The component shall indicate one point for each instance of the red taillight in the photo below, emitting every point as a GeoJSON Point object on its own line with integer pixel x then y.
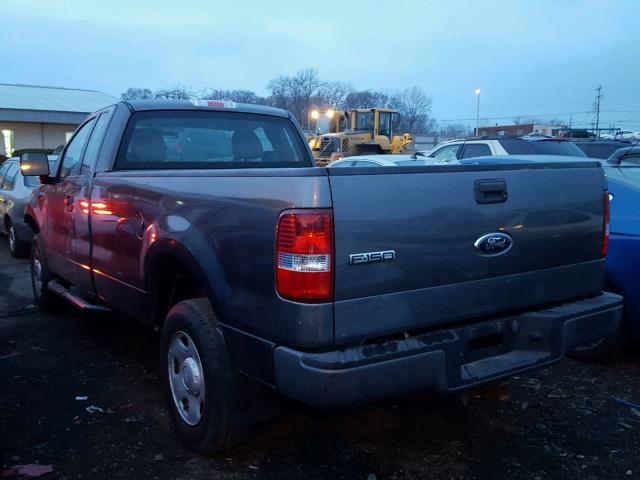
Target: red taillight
{"type": "Point", "coordinates": [605, 223]}
{"type": "Point", "coordinates": [304, 255]}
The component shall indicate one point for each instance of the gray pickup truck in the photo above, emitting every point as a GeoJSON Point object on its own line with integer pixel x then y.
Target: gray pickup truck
{"type": "Point", "coordinates": [266, 275]}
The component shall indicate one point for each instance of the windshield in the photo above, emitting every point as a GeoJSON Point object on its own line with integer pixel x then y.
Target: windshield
{"type": "Point", "coordinates": [323, 125]}
{"type": "Point", "coordinates": [207, 139]}
{"type": "Point", "coordinates": [364, 121]}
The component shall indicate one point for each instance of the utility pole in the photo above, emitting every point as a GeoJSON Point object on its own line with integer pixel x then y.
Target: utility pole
{"type": "Point", "coordinates": [477, 92]}
{"type": "Point", "coordinates": [570, 125]}
{"type": "Point", "coordinates": [597, 102]}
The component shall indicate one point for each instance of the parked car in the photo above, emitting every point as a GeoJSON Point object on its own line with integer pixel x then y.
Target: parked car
{"type": "Point", "coordinates": [383, 161]}
{"type": "Point", "coordinates": [331, 286]}
{"type": "Point", "coordinates": [453, 150]}
{"type": "Point", "coordinates": [623, 135]}
{"type": "Point", "coordinates": [15, 190]}
{"type": "Point", "coordinates": [600, 148]}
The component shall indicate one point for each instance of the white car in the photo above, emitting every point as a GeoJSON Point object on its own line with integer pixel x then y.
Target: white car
{"type": "Point", "coordinates": [460, 149]}
{"type": "Point", "coordinates": [626, 135]}
{"type": "Point", "coordinates": [383, 161]}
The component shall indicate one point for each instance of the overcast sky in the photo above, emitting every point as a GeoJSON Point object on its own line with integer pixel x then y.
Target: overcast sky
{"type": "Point", "coordinates": [530, 58]}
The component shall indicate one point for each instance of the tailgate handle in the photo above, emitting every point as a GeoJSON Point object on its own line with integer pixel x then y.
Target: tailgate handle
{"type": "Point", "coordinates": [491, 191]}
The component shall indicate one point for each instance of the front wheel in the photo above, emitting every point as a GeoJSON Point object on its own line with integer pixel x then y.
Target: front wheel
{"type": "Point", "coordinates": [17, 247]}
{"type": "Point", "coordinates": [197, 378]}
{"type": "Point", "coordinates": [40, 278]}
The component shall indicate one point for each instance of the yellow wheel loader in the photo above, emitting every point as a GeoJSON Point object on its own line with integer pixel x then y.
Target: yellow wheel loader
{"type": "Point", "coordinates": [368, 131]}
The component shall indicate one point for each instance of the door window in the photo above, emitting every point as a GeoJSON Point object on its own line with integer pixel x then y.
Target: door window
{"type": "Point", "coordinates": [9, 179]}
{"type": "Point", "coordinates": [94, 144]}
{"type": "Point", "coordinates": [476, 150]}
{"type": "Point", "coordinates": [73, 153]}
{"type": "Point", "coordinates": [3, 171]}
{"type": "Point", "coordinates": [385, 124]}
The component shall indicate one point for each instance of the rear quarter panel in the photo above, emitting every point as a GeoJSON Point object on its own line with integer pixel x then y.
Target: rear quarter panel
{"type": "Point", "coordinates": [221, 223]}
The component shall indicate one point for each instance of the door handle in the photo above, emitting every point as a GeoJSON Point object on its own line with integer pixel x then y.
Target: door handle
{"type": "Point", "coordinates": [491, 191]}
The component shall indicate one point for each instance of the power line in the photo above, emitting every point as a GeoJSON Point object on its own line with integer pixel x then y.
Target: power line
{"type": "Point", "coordinates": [534, 115]}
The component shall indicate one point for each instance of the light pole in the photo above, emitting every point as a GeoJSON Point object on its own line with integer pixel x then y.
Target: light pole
{"type": "Point", "coordinates": [477, 92]}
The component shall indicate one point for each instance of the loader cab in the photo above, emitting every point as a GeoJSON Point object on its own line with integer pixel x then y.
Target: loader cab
{"type": "Point", "coordinates": [377, 121]}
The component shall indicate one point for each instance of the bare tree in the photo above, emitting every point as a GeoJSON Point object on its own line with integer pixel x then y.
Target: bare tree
{"type": "Point", "coordinates": [365, 99]}
{"type": "Point", "coordinates": [414, 107]}
{"type": "Point", "coordinates": [295, 92]}
{"type": "Point", "coordinates": [332, 94]}
{"type": "Point", "coordinates": [239, 96]}
{"type": "Point", "coordinates": [280, 91]}
{"type": "Point", "coordinates": [174, 93]}
{"type": "Point", "coordinates": [134, 93]}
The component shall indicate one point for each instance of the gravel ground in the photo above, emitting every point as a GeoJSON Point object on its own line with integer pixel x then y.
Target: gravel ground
{"type": "Point", "coordinates": [562, 422]}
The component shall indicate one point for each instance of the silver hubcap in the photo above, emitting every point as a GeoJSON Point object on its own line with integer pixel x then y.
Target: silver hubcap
{"type": "Point", "coordinates": [186, 378]}
{"type": "Point", "coordinates": [37, 272]}
{"type": "Point", "coordinates": [12, 238]}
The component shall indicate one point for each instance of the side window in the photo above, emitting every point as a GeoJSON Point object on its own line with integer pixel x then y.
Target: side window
{"type": "Point", "coordinates": [476, 150]}
{"type": "Point", "coordinates": [9, 179]}
{"type": "Point", "coordinates": [3, 171]}
{"type": "Point", "coordinates": [94, 144]}
{"type": "Point", "coordinates": [73, 153]}
{"type": "Point", "coordinates": [446, 154]}
{"type": "Point", "coordinates": [365, 163]}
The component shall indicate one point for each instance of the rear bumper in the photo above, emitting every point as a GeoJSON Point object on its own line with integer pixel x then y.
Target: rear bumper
{"type": "Point", "coordinates": [446, 360]}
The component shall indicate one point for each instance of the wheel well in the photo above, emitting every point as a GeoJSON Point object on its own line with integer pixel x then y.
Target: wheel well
{"type": "Point", "coordinates": [7, 221]}
{"type": "Point", "coordinates": [171, 281]}
{"type": "Point", "coordinates": [28, 219]}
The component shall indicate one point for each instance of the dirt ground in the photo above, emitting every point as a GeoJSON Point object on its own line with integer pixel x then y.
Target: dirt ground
{"type": "Point", "coordinates": [563, 422]}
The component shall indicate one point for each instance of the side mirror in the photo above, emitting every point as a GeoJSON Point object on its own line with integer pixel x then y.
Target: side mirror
{"type": "Point", "coordinates": [34, 164]}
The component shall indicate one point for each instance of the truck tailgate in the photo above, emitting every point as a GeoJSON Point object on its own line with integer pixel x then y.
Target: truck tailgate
{"type": "Point", "coordinates": [410, 252]}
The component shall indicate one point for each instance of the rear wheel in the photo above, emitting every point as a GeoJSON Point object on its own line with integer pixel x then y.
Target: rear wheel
{"type": "Point", "coordinates": [197, 378]}
{"type": "Point", "coordinates": [17, 247]}
{"type": "Point", "coordinates": [40, 278]}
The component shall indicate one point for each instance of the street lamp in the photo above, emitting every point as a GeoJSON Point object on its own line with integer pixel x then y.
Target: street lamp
{"type": "Point", "coordinates": [477, 92]}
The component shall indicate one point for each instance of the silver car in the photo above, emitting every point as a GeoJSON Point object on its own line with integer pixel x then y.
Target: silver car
{"type": "Point", "coordinates": [15, 190]}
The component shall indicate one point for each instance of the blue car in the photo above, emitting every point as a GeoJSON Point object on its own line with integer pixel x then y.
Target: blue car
{"type": "Point", "coordinates": [623, 257]}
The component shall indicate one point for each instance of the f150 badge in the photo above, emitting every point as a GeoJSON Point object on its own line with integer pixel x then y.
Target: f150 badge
{"type": "Point", "coordinates": [493, 244]}
{"type": "Point", "coordinates": [370, 257]}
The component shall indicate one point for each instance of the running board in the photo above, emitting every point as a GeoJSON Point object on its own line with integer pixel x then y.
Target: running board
{"type": "Point", "coordinates": [80, 303]}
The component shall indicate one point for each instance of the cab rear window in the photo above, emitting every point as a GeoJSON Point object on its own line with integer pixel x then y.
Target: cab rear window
{"type": "Point", "coordinates": [209, 139]}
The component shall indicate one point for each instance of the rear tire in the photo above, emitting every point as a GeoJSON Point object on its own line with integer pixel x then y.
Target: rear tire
{"type": "Point", "coordinates": [197, 378]}
{"type": "Point", "coordinates": [41, 275]}
{"type": "Point", "coordinates": [17, 248]}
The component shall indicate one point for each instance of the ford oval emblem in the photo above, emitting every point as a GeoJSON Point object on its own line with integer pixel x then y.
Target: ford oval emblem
{"type": "Point", "coordinates": [493, 244]}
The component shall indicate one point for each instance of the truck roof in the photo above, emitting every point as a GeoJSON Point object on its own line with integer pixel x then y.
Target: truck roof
{"type": "Point", "coordinates": [167, 104]}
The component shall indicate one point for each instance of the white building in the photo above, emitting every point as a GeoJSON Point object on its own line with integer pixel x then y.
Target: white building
{"type": "Point", "coordinates": [43, 117]}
